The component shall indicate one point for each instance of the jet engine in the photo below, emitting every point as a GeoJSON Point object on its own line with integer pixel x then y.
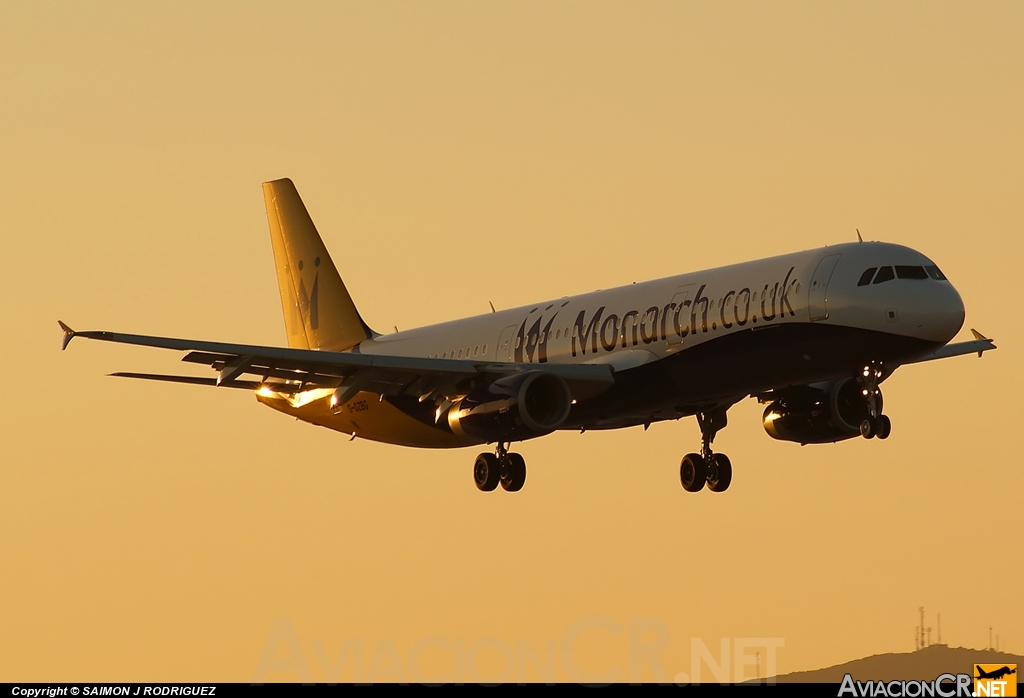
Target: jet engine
{"type": "Point", "coordinates": [820, 413]}
{"type": "Point", "coordinates": [513, 408]}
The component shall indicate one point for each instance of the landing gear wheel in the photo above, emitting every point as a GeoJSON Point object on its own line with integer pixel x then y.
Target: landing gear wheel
{"type": "Point", "coordinates": [884, 427]}
{"type": "Point", "coordinates": [486, 472]}
{"type": "Point", "coordinates": [719, 473]}
{"type": "Point", "coordinates": [513, 475]}
{"type": "Point", "coordinates": [693, 472]}
{"type": "Point", "coordinates": [869, 427]}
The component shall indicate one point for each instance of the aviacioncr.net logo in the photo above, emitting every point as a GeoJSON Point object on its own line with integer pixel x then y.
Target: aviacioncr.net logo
{"type": "Point", "coordinates": [995, 680]}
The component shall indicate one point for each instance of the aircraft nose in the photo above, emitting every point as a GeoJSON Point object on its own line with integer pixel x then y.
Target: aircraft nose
{"type": "Point", "coordinates": [944, 315]}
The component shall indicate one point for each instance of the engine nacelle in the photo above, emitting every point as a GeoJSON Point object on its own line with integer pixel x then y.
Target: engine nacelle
{"type": "Point", "coordinates": [514, 408]}
{"type": "Point", "coordinates": [815, 414]}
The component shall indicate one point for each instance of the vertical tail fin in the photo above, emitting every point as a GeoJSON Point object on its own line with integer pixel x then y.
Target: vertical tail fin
{"type": "Point", "coordinates": [318, 310]}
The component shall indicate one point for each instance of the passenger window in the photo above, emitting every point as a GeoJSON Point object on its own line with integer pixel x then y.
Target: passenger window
{"type": "Point", "coordinates": [485, 350]}
{"type": "Point", "coordinates": [934, 272]}
{"type": "Point", "coordinates": [915, 273]}
{"type": "Point", "coordinates": [865, 278]}
{"type": "Point", "coordinates": [884, 274]}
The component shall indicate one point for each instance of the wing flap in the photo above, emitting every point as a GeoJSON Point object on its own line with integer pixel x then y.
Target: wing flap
{"type": "Point", "coordinates": [302, 357]}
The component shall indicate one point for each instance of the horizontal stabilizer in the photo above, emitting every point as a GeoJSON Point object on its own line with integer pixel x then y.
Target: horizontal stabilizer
{"type": "Point", "coordinates": [191, 380]}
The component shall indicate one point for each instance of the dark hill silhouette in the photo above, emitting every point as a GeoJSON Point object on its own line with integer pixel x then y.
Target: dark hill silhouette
{"type": "Point", "coordinates": [922, 665]}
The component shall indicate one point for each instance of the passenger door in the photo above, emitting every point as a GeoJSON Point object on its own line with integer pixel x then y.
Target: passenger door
{"type": "Point", "coordinates": [817, 297]}
{"type": "Point", "coordinates": [505, 349]}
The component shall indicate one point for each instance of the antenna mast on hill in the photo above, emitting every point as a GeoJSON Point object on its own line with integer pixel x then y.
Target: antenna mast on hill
{"type": "Point", "coordinates": [939, 630]}
{"type": "Point", "coordinates": [921, 611]}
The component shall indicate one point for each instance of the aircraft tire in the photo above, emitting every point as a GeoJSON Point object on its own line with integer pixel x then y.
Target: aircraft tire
{"type": "Point", "coordinates": [513, 475]}
{"type": "Point", "coordinates": [884, 426]}
{"type": "Point", "coordinates": [693, 472]}
{"type": "Point", "coordinates": [722, 473]}
{"type": "Point", "coordinates": [868, 428]}
{"type": "Point", "coordinates": [486, 472]}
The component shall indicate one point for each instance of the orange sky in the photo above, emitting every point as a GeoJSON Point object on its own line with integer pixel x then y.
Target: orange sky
{"type": "Point", "coordinates": [451, 154]}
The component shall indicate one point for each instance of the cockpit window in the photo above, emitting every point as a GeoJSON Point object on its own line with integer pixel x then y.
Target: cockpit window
{"type": "Point", "coordinates": [865, 278]}
{"type": "Point", "coordinates": [934, 272]}
{"type": "Point", "coordinates": [916, 273]}
{"type": "Point", "coordinates": [884, 274]}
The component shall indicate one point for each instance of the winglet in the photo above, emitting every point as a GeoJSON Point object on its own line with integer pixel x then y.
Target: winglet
{"type": "Point", "coordinates": [979, 335]}
{"type": "Point", "coordinates": [69, 334]}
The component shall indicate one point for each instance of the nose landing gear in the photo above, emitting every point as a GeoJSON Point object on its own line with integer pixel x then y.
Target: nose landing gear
{"type": "Point", "coordinates": [500, 467]}
{"type": "Point", "coordinates": [707, 468]}
{"type": "Point", "coordinates": [875, 423]}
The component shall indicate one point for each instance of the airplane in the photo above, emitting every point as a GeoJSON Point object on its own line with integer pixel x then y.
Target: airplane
{"type": "Point", "coordinates": [810, 334]}
{"type": "Point", "coordinates": [995, 674]}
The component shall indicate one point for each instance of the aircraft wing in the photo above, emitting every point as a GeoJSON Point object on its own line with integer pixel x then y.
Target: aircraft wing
{"type": "Point", "coordinates": [294, 370]}
{"type": "Point", "coordinates": [979, 344]}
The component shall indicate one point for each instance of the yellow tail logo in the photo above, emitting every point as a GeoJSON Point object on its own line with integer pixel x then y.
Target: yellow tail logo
{"type": "Point", "coordinates": [309, 303]}
{"type": "Point", "coordinates": [318, 310]}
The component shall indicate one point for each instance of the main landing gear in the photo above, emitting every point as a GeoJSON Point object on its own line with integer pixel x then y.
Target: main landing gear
{"type": "Point", "coordinates": [706, 467]}
{"type": "Point", "coordinates": [508, 469]}
{"type": "Point", "coordinates": [874, 423]}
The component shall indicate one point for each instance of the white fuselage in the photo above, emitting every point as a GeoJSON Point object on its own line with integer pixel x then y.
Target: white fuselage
{"type": "Point", "coordinates": [648, 321]}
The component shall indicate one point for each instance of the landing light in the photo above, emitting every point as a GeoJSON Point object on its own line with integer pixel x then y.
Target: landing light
{"type": "Point", "coordinates": [265, 391]}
